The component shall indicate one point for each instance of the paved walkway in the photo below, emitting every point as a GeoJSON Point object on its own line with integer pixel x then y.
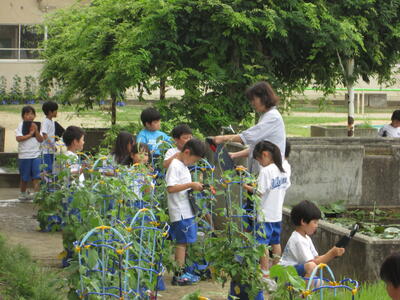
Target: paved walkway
{"type": "Point", "coordinates": [19, 226]}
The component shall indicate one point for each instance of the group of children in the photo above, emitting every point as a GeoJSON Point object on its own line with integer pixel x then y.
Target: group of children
{"type": "Point", "coordinates": [272, 183]}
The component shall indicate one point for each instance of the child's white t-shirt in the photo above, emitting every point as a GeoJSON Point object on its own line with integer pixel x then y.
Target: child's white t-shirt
{"type": "Point", "coordinates": [299, 250]}
{"type": "Point", "coordinates": [29, 148]}
{"type": "Point", "coordinates": [178, 203]}
{"type": "Point", "coordinates": [171, 152]}
{"type": "Point", "coordinates": [48, 127]}
{"type": "Point", "coordinates": [272, 185]}
{"type": "Point", "coordinates": [390, 131]}
{"type": "Point", "coordinates": [75, 167]}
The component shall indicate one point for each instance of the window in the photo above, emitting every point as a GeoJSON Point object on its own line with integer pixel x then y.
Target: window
{"type": "Point", "coordinates": [20, 42]}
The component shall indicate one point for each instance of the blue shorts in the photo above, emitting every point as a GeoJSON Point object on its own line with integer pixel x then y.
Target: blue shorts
{"type": "Point", "coordinates": [184, 231]}
{"type": "Point", "coordinates": [29, 168]}
{"type": "Point", "coordinates": [48, 160]}
{"type": "Point", "coordinates": [300, 270]}
{"type": "Point", "coordinates": [269, 233]}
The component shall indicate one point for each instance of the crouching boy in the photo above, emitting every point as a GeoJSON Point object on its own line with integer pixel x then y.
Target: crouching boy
{"type": "Point", "coordinates": [300, 251]}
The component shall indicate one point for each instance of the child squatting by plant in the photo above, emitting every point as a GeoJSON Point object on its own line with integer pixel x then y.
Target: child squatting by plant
{"type": "Point", "coordinates": [300, 251]}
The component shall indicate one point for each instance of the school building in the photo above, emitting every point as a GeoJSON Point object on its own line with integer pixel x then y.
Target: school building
{"type": "Point", "coordinates": [20, 48]}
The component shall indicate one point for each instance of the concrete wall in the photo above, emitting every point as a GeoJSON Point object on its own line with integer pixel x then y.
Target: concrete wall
{"type": "Point", "coordinates": [361, 171]}
{"type": "Point", "coordinates": [2, 138]}
{"type": "Point", "coordinates": [341, 131]}
{"type": "Point", "coordinates": [363, 256]}
{"type": "Point", "coordinates": [25, 12]}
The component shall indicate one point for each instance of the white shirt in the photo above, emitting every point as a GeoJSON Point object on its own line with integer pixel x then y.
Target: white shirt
{"type": "Point", "coordinates": [178, 203]}
{"type": "Point", "coordinates": [29, 148]}
{"type": "Point", "coordinates": [272, 185]}
{"type": "Point", "coordinates": [171, 152]}
{"type": "Point", "coordinates": [48, 127]}
{"type": "Point", "coordinates": [389, 131]}
{"type": "Point", "coordinates": [299, 250]}
{"type": "Point", "coordinates": [270, 127]}
{"type": "Point", "coordinates": [286, 166]}
{"type": "Point", "coordinates": [75, 166]}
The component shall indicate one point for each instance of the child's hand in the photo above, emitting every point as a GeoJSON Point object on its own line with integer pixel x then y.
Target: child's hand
{"type": "Point", "coordinates": [34, 127]}
{"type": "Point", "coordinates": [338, 251]}
{"type": "Point", "coordinates": [247, 187]}
{"type": "Point", "coordinates": [196, 186]}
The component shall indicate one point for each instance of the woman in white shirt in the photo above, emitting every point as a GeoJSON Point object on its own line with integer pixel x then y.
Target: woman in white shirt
{"type": "Point", "coordinates": [270, 126]}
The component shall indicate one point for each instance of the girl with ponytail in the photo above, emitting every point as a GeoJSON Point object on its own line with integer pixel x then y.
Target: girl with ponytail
{"type": "Point", "coordinates": [272, 183]}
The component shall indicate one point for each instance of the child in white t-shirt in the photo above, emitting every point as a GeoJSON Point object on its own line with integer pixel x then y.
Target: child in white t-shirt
{"type": "Point", "coordinates": [300, 251]}
{"type": "Point", "coordinates": [392, 129]}
{"type": "Point", "coordinates": [272, 184]}
{"type": "Point", "coordinates": [48, 130]}
{"type": "Point", "coordinates": [183, 225]}
{"type": "Point", "coordinates": [74, 139]}
{"type": "Point", "coordinates": [28, 152]}
{"type": "Point", "coordinates": [181, 134]}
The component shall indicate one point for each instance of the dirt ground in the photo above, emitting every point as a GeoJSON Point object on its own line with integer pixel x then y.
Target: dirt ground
{"type": "Point", "coordinates": [18, 226]}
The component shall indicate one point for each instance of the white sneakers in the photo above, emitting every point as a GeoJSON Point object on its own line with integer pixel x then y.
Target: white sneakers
{"type": "Point", "coordinates": [26, 196]}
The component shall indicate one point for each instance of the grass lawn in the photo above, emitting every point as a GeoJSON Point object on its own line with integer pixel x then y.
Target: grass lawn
{"type": "Point", "coordinates": [295, 125]}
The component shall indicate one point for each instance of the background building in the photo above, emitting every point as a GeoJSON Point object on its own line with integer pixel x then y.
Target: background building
{"type": "Point", "coordinates": [20, 48]}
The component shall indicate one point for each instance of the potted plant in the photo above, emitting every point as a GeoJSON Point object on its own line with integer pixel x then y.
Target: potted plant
{"type": "Point", "coordinates": [16, 93]}
{"type": "Point", "coordinates": [29, 89]}
{"type": "Point", "coordinates": [3, 90]}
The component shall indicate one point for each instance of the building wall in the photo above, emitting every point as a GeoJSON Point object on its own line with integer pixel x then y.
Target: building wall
{"type": "Point", "coordinates": [15, 12]}
{"type": "Point", "coordinates": [34, 11]}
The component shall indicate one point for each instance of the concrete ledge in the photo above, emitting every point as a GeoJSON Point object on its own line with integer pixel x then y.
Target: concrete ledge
{"type": "Point", "coordinates": [93, 138]}
{"type": "Point", "coordinates": [9, 180]}
{"type": "Point", "coordinates": [5, 157]}
{"type": "Point", "coordinates": [363, 256]}
{"type": "Point", "coordinates": [2, 138]}
{"type": "Point", "coordinates": [340, 131]}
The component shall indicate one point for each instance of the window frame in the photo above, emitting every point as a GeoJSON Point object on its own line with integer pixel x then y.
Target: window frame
{"type": "Point", "coordinates": [19, 49]}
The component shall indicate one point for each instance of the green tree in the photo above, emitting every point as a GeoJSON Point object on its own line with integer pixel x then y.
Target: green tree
{"type": "Point", "coordinates": [92, 52]}
{"type": "Point", "coordinates": [351, 40]}
{"type": "Point", "coordinates": [214, 49]}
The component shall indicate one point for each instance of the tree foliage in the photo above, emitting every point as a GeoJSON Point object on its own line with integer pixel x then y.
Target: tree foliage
{"type": "Point", "coordinates": [214, 49]}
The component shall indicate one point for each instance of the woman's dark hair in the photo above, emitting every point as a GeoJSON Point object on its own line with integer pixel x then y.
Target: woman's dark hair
{"type": "Point", "coordinates": [120, 150]}
{"type": "Point", "coordinates": [271, 148]}
{"type": "Point", "coordinates": [396, 115]}
{"type": "Point", "coordinates": [136, 148]}
{"type": "Point", "coordinates": [49, 106]}
{"type": "Point", "coordinates": [149, 115]}
{"type": "Point", "coordinates": [288, 148]}
{"type": "Point", "coordinates": [196, 147]}
{"type": "Point", "coordinates": [71, 134]}
{"type": "Point", "coordinates": [264, 91]}
{"type": "Point", "coordinates": [180, 130]}
{"type": "Point", "coordinates": [27, 109]}
{"type": "Point", "coordinates": [306, 211]}
{"type": "Point", "coordinates": [390, 270]}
